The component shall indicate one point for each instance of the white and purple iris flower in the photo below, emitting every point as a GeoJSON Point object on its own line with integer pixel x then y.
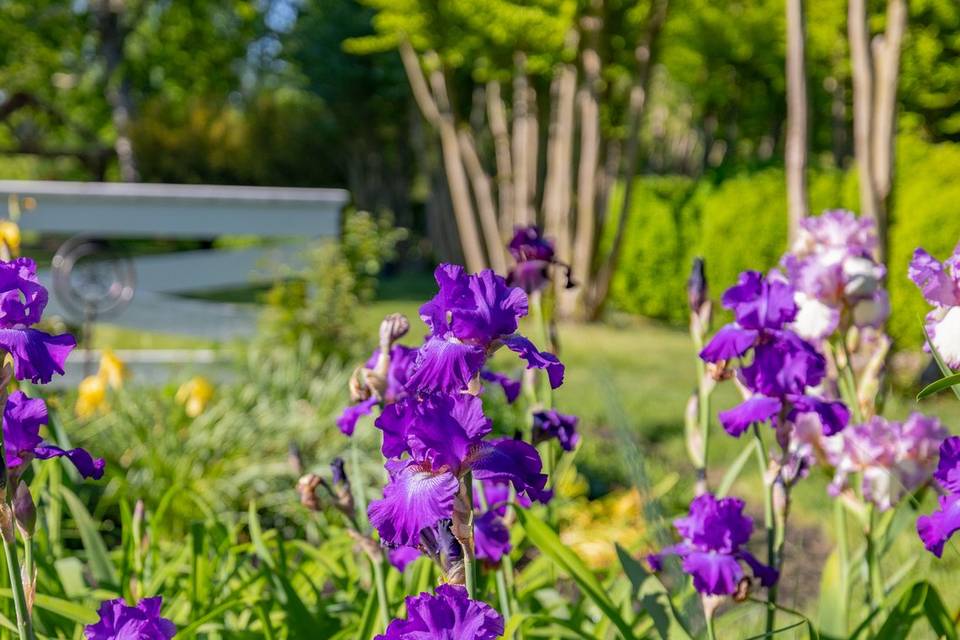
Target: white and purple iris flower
{"type": "Point", "coordinates": [837, 280]}
{"type": "Point", "coordinates": [940, 284]}
{"type": "Point", "coordinates": [714, 535]}
{"type": "Point", "coordinates": [22, 418]}
{"type": "Point", "coordinates": [443, 439]}
{"type": "Point", "coordinates": [37, 356]}
{"type": "Point", "coordinates": [448, 613]}
{"type": "Point", "coordinates": [469, 318]}
{"type": "Point", "coordinates": [783, 366]}
{"type": "Point", "coordinates": [891, 459]}
{"type": "Point", "coordinates": [143, 622]}
{"type": "Point", "coordinates": [938, 527]}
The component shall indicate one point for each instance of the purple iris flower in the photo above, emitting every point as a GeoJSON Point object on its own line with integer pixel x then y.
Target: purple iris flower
{"type": "Point", "coordinates": [940, 284]}
{"type": "Point", "coordinates": [938, 527]}
{"type": "Point", "coordinates": [443, 435]}
{"type": "Point", "coordinates": [491, 537]}
{"type": "Point", "coordinates": [496, 495]}
{"type": "Point", "coordinates": [553, 424]}
{"type": "Point", "coordinates": [784, 365]}
{"type": "Point", "coordinates": [401, 557]}
{"type": "Point", "coordinates": [121, 622]}
{"type": "Point", "coordinates": [469, 318]}
{"type": "Point", "coordinates": [445, 615]}
{"type": "Point", "coordinates": [37, 356]}
{"type": "Point", "coordinates": [22, 418]}
{"type": "Point", "coordinates": [832, 267]}
{"type": "Point", "coordinates": [714, 534]}
{"type": "Point", "coordinates": [535, 257]}
{"type": "Point", "coordinates": [401, 359]}
{"type": "Point", "coordinates": [510, 386]}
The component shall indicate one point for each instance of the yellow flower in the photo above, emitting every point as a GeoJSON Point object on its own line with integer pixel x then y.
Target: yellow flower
{"type": "Point", "coordinates": [195, 394]}
{"type": "Point", "coordinates": [112, 369]}
{"type": "Point", "coordinates": [91, 396]}
{"type": "Point", "coordinates": [10, 235]}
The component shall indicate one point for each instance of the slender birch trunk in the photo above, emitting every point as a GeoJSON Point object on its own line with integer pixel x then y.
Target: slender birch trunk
{"type": "Point", "coordinates": [557, 185]}
{"type": "Point", "coordinates": [523, 215]}
{"type": "Point", "coordinates": [483, 192]}
{"type": "Point", "coordinates": [497, 118]}
{"type": "Point", "coordinates": [862, 76]}
{"type": "Point", "coordinates": [796, 143]}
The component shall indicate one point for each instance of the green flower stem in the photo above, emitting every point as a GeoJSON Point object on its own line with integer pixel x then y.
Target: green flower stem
{"type": "Point", "coordinates": [711, 634]}
{"type": "Point", "coordinates": [875, 589]}
{"type": "Point", "coordinates": [843, 557]}
{"type": "Point", "coordinates": [703, 419]}
{"type": "Point", "coordinates": [770, 526]}
{"type": "Point", "coordinates": [376, 564]}
{"type": "Point", "coordinates": [24, 626]}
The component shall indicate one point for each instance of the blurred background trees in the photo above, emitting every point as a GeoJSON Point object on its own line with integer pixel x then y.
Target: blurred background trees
{"type": "Point", "coordinates": [603, 102]}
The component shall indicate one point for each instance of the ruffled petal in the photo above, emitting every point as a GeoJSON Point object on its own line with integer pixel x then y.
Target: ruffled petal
{"type": "Point", "coordinates": [752, 411]}
{"type": "Point", "coordinates": [445, 365]}
{"type": "Point", "coordinates": [495, 311]}
{"type": "Point", "coordinates": [87, 465]}
{"type": "Point", "coordinates": [767, 575]}
{"type": "Point", "coordinates": [935, 529]}
{"type": "Point", "coordinates": [536, 359]}
{"type": "Point", "coordinates": [713, 573]}
{"type": "Point", "coordinates": [932, 278]}
{"type": "Point", "coordinates": [513, 461]}
{"type": "Point", "coordinates": [394, 421]}
{"type": "Point", "coordinates": [491, 537]}
{"type": "Point", "coordinates": [511, 387]}
{"type": "Point", "coordinates": [347, 421]}
{"type": "Point", "coordinates": [449, 613]}
{"type": "Point", "coordinates": [414, 498]}
{"type": "Point", "coordinates": [401, 557]}
{"type": "Point", "coordinates": [729, 342]}
{"type": "Point", "coordinates": [834, 415]}
{"type": "Point", "coordinates": [36, 355]}
{"type": "Point", "coordinates": [948, 469]}
{"type": "Point", "coordinates": [22, 418]}
{"type": "Point", "coordinates": [760, 303]}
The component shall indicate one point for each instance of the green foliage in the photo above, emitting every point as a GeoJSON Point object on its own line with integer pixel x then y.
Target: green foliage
{"type": "Point", "coordinates": [925, 215]}
{"type": "Point", "coordinates": [318, 301]}
{"type": "Point", "coordinates": [740, 223]}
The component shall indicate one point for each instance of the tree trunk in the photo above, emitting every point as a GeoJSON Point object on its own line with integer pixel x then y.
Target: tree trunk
{"type": "Point", "coordinates": [483, 192]}
{"type": "Point", "coordinates": [113, 36]}
{"type": "Point", "coordinates": [557, 185]}
{"type": "Point", "coordinates": [435, 106]}
{"type": "Point", "coordinates": [523, 214]}
{"type": "Point", "coordinates": [885, 79]}
{"type": "Point", "coordinates": [796, 144]}
{"type": "Point", "coordinates": [645, 53]}
{"type": "Point", "coordinates": [862, 74]}
{"type": "Point", "coordinates": [497, 117]}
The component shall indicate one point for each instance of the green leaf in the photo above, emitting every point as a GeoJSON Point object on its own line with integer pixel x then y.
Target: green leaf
{"type": "Point", "coordinates": [944, 369]}
{"type": "Point", "coordinates": [70, 610]}
{"type": "Point", "coordinates": [100, 563]}
{"type": "Point", "coordinates": [213, 614]}
{"type": "Point", "coordinates": [919, 601]}
{"type": "Point", "coordinates": [635, 571]}
{"type": "Point", "coordinates": [938, 386]}
{"type": "Point", "coordinates": [549, 543]}
{"type": "Point", "coordinates": [735, 468]}
{"type": "Point", "coordinates": [656, 602]}
{"type": "Point", "coordinates": [833, 602]}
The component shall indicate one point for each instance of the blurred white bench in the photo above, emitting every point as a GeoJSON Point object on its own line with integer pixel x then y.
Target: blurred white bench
{"type": "Point", "coordinates": [287, 216]}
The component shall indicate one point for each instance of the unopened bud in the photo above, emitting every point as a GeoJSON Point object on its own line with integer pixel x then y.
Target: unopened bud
{"type": "Point", "coordinates": [295, 458]}
{"type": "Point", "coordinates": [341, 487]}
{"type": "Point", "coordinates": [440, 545]}
{"type": "Point", "coordinates": [25, 511]}
{"type": "Point", "coordinates": [697, 290]}
{"type": "Point", "coordinates": [307, 488]}
{"type": "Point", "coordinates": [393, 327]}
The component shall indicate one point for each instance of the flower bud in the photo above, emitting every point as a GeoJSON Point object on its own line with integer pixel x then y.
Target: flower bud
{"type": "Point", "coordinates": [440, 545]}
{"type": "Point", "coordinates": [25, 511]}
{"type": "Point", "coordinates": [307, 488]}
{"type": "Point", "coordinates": [393, 327]}
{"type": "Point", "coordinates": [697, 290]}
{"type": "Point", "coordinates": [341, 487]}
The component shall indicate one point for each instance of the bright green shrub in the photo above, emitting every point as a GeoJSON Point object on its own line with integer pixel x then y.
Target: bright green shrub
{"type": "Point", "coordinates": [740, 224]}
{"type": "Point", "coordinates": [657, 248]}
{"type": "Point", "coordinates": [926, 214]}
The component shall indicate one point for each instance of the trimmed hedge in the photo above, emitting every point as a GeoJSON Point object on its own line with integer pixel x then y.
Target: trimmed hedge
{"type": "Point", "coordinates": [740, 223]}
